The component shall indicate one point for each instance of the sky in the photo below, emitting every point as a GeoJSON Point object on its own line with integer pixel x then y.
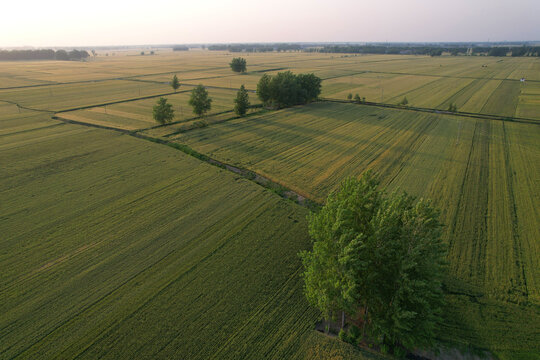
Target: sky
{"type": "Point", "coordinates": [59, 23]}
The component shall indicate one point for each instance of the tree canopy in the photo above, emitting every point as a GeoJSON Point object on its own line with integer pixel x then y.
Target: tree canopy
{"type": "Point", "coordinates": [238, 65]}
{"type": "Point", "coordinates": [200, 101]}
{"type": "Point", "coordinates": [287, 89]}
{"type": "Point", "coordinates": [43, 54]}
{"type": "Point", "coordinates": [163, 111]}
{"type": "Point", "coordinates": [241, 103]}
{"type": "Point", "coordinates": [380, 259]}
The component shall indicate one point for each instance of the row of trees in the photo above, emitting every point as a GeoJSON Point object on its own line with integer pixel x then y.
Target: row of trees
{"type": "Point", "coordinates": [43, 54]}
{"type": "Point", "coordinates": [377, 260]}
{"type": "Point", "coordinates": [199, 100]}
{"type": "Point", "coordinates": [288, 89]}
{"type": "Point", "coordinates": [524, 50]}
{"type": "Point", "coordinates": [255, 47]}
{"type": "Point", "coordinates": [357, 99]}
{"type": "Point", "coordinates": [282, 90]}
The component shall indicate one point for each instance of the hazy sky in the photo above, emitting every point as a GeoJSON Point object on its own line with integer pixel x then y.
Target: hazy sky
{"type": "Point", "coordinates": [111, 22]}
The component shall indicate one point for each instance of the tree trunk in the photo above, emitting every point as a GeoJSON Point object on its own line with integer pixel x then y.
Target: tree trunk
{"type": "Point", "coordinates": [342, 319]}
{"type": "Point", "coordinates": [365, 320]}
{"type": "Point", "coordinates": [327, 326]}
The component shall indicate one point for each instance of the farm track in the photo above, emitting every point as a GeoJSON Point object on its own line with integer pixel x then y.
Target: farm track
{"type": "Point", "coordinates": [446, 76]}
{"type": "Point", "coordinates": [27, 107]}
{"type": "Point", "coordinates": [438, 111]}
{"type": "Point", "coordinates": [517, 246]}
{"type": "Point", "coordinates": [192, 85]}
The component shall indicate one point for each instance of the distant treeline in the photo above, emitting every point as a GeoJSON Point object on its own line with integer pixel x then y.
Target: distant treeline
{"type": "Point", "coordinates": [429, 50]}
{"type": "Point", "coordinates": [255, 47]}
{"type": "Point", "coordinates": [180, 48]}
{"type": "Point", "coordinates": [43, 54]}
{"type": "Point", "coordinates": [505, 50]}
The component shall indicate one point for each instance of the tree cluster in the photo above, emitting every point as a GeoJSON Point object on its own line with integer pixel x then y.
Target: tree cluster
{"type": "Point", "coordinates": [180, 48]}
{"type": "Point", "coordinates": [43, 54]}
{"type": "Point", "coordinates": [378, 258]}
{"type": "Point", "coordinates": [288, 89]}
{"type": "Point", "coordinates": [238, 65]}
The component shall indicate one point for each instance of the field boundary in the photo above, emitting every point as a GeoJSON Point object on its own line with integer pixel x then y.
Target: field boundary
{"type": "Point", "coordinates": [117, 102]}
{"type": "Point", "coordinates": [27, 107]}
{"type": "Point", "coordinates": [253, 176]}
{"type": "Point", "coordinates": [437, 111]}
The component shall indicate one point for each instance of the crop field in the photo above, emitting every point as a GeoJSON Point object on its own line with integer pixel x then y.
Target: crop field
{"type": "Point", "coordinates": [474, 84]}
{"type": "Point", "coordinates": [117, 247]}
{"type": "Point", "coordinates": [138, 114]}
{"type": "Point", "coordinates": [114, 247]}
{"type": "Point", "coordinates": [483, 174]}
{"type": "Point", "coordinates": [64, 97]}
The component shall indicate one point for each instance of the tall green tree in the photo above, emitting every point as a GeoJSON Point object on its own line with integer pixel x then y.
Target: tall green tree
{"type": "Point", "coordinates": [263, 89]}
{"type": "Point", "coordinates": [379, 258]}
{"type": "Point", "coordinates": [238, 65]}
{"type": "Point", "coordinates": [241, 103]}
{"type": "Point", "coordinates": [200, 101]}
{"type": "Point", "coordinates": [175, 83]}
{"type": "Point", "coordinates": [163, 112]}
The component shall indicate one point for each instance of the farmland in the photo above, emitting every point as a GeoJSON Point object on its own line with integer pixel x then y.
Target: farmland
{"type": "Point", "coordinates": [114, 246]}
{"type": "Point", "coordinates": [481, 173]}
{"type": "Point", "coordinates": [105, 231]}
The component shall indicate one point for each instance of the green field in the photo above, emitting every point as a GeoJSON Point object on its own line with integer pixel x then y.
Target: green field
{"type": "Point", "coordinates": [474, 84]}
{"type": "Point", "coordinates": [113, 246]}
{"type": "Point", "coordinates": [117, 247]}
{"type": "Point", "coordinates": [483, 174]}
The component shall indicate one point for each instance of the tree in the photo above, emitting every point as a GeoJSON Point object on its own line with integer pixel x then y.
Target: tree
{"type": "Point", "coordinates": [163, 112]}
{"type": "Point", "coordinates": [349, 97]}
{"type": "Point", "coordinates": [310, 87]}
{"type": "Point", "coordinates": [263, 89]}
{"type": "Point", "coordinates": [241, 103]}
{"type": "Point", "coordinates": [62, 55]}
{"type": "Point", "coordinates": [175, 83]}
{"type": "Point", "coordinates": [452, 107]}
{"type": "Point", "coordinates": [238, 65]}
{"type": "Point", "coordinates": [404, 102]}
{"type": "Point", "coordinates": [200, 101]}
{"type": "Point", "coordinates": [357, 98]}
{"type": "Point", "coordinates": [380, 259]}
